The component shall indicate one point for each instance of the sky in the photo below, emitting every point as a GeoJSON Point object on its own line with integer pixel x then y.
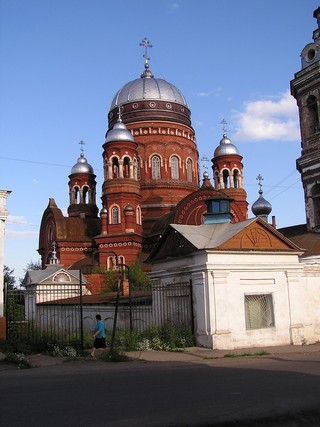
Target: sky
{"type": "Point", "coordinates": [62, 61]}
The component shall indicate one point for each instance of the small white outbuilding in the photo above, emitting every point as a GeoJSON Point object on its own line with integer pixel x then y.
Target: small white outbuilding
{"type": "Point", "coordinates": [250, 286]}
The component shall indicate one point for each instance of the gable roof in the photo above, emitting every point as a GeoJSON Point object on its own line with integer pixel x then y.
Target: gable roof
{"type": "Point", "coordinates": [253, 234]}
{"type": "Point", "coordinates": [35, 277]}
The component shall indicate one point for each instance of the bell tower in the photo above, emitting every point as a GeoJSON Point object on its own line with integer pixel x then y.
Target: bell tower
{"type": "Point", "coordinates": [305, 87]}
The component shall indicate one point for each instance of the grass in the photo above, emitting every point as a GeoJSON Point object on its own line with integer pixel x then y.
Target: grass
{"type": "Point", "coordinates": [258, 353]}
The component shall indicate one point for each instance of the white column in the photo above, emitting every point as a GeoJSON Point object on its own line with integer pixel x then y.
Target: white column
{"type": "Point", "coordinates": [3, 216]}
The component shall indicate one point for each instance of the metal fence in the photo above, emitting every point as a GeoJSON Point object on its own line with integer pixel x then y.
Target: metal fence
{"type": "Point", "coordinates": [45, 314]}
{"type": "Point", "coordinates": [48, 314]}
{"type": "Point", "coordinates": [165, 303]}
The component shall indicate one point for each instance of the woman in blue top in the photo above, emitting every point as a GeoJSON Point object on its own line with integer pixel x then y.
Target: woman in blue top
{"type": "Point", "coordinates": [99, 335]}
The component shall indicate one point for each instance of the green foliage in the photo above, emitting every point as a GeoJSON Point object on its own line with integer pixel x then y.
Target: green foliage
{"type": "Point", "coordinates": [33, 265]}
{"type": "Point", "coordinates": [8, 278]}
{"type": "Point", "coordinates": [64, 351]}
{"type": "Point", "coordinates": [115, 356]}
{"type": "Point", "coordinates": [258, 353]}
{"type": "Point", "coordinates": [138, 277]}
{"type": "Point", "coordinates": [166, 338]}
{"type": "Point", "coordinates": [17, 359]}
{"type": "Point", "coordinates": [110, 283]}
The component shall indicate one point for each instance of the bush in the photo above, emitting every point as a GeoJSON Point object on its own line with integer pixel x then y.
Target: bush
{"type": "Point", "coordinates": [18, 359]}
{"type": "Point", "coordinates": [166, 338]}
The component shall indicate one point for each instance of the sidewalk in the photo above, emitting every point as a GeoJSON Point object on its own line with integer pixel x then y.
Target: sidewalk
{"type": "Point", "coordinates": [193, 354]}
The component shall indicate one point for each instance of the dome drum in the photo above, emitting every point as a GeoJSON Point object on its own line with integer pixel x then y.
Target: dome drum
{"type": "Point", "coordinates": [148, 110]}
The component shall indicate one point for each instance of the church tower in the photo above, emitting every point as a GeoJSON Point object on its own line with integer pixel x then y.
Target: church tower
{"type": "Point", "coordinates": [305, 87]}
{"type": "Point", "coordinates": [121, 220]}
{"type": "Point", "coordinates": [82, 189]}
{"type": "Point", "coordinates": [159, 118]}
{"type": "Point", "coordinates": [228, 176]}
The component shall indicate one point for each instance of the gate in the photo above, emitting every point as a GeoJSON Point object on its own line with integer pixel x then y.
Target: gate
{"type": "Point", "coordinates": [45, 316]}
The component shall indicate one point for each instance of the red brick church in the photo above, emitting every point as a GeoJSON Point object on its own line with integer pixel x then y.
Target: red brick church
{"type": "Point", "coordinates": [151, 179]}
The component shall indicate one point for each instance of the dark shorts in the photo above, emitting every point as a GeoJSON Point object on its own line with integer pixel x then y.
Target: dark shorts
{"type": "Point", "coordinates": [99, 343]}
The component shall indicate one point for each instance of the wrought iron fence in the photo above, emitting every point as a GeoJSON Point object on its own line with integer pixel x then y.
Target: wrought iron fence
{"type": "Point", "coordinates": [45, 315]}
{"type": "Point", "coordinates": [162, 304]}
{"type": "Point", "coordinates": [51, 314]}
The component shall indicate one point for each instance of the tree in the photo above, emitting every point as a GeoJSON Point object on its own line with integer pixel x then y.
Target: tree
{"type": "Point", "coordinates": [32, 265]}
{"type": "Point", "coordinates": [8, 278]}
{"type": "Point", "coordinates": [138, 277]}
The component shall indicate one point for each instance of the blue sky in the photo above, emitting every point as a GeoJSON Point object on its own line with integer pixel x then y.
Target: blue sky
{"type": "Point", "coordinates": [62, 62]}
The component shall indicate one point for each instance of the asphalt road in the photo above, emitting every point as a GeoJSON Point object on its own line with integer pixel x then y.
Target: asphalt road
{"type": "Point", "coordinates": [253, 391]}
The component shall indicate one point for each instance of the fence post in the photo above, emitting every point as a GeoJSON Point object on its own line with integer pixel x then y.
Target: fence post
{"type": "Point", "coordinates": [81, 311]}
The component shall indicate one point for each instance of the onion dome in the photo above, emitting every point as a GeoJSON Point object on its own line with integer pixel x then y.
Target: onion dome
{"type": "Point", "coordinates": [261, 207]}
{"type": "Point", "coordinates": [149, 98]}
{"type": "Point", "coordinates": [148, 88]}
{"type": "Point", "coordinates": [119, 133]}
{"type": "Point", "coordinates": [128, 208]}
{"type": "Point", "coordinates": [82, 166]}
{"type": "Point", "coordinates": [225, 148]}
{"type": "Point", "coordinates": [206, 180]}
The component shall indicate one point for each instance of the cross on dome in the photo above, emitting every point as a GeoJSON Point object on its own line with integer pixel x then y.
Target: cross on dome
{"type": "Point", "coordinates": [82, 143]}
{"type": "Point", "coordinates": [260, 179]}
{"type": "Point", "coordinates": [146, 44]}
{"type": "Point", "coordinates": [204, 160]}
{"type": "Point", "coordinates": [224, 125]}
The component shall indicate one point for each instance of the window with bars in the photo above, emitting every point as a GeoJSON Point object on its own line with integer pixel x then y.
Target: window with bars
{"type": "Point", "coordinates": [259, 311]}
{"type": "Point", "coordinates": [155, 165]}
{"type": "Point", "coordinates": [115, 215]}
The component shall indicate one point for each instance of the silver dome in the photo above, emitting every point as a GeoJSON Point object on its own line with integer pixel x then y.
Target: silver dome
{"type": "Point", "coordinates": [82, 166]}
{"type": "Point", "coordinates": [225, 148]}
{"type": "Point", "coordinates": [147, 87]}
{"type": "Point", "coordinates": [119, 133]}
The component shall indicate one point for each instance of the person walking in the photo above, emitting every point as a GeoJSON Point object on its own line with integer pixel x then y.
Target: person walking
{"type": "Point", "coordinates": [99, 336]}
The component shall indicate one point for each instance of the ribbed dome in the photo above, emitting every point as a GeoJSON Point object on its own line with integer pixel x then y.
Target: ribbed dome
{"type": "Point", "coordinates": [119, 133]}
{"type": "Point", "coordinates": [261, 207]}
{"type": "Point", "coordinates": [82, 166]}
{"type": "Point", "coordinates": [225, 148]}
{"type": "Point", "coordinates": [147, 87]}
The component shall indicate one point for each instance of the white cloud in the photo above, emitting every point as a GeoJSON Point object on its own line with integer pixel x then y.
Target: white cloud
{"type": "Point", "coordinates": [12, 219]}
{"type": "Point", "coordinates": [274, 118]}
{"type": "Point", "coordinates": [215, 92]}
{"type": "Point", "coordinates": [13, 234]}
{"type": "Point", "coordinates": [174, 7]}
{"type": "Point", "coordinates": [203, 94]}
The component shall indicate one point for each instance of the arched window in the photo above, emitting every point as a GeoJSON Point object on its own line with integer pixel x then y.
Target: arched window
{"type": "Point", "coordinates": [312, 106]}
{"type": "Point", "coordinates": [216, 180]}
{"type": "Point", "coordinates": [138, 168]}
{"type": "Point", "coordinates": [189, 170]}
{"type": "Point", "coordinates": [77, 195]}
{"type": "Point", "coordinates": [115, 167]}
{"type": "Point", "coordinates": [138, 215]}
{"type": "Point", "coordinates": [226, 178]}
{"type": "Point", "coordinates": [85, 194]}
{"type": "Point", "coordinates": [126, 167]}
{"type": "Point", "coordinates": [111, 263]}
{"type": "Point", "coordinates": [174, 167]}
{"type": "Point", "coordinates": [236, 181]}
{"type": "Point", "coordinates": [155, 165]}
{"type": "Point", "coordinates": [115, 219]}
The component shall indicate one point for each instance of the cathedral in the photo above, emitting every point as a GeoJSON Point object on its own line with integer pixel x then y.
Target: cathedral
{"type": "Point", "coordinates": [152, 179]}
